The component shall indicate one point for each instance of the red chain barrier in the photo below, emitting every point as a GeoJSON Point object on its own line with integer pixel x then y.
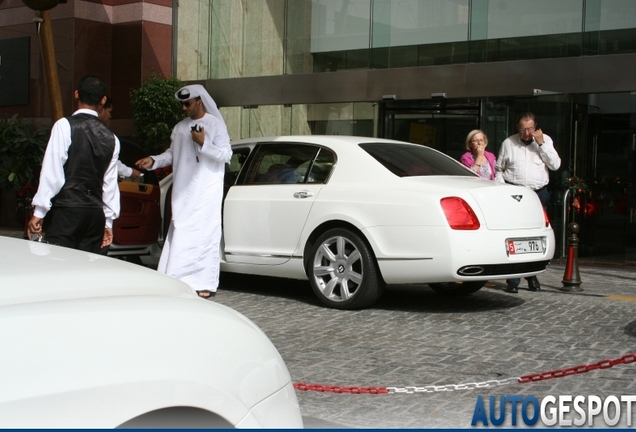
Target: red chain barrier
{"type": "Point", "coordinates": [339, 389]}
{"type": "Point", "coordinates": [559, 373]}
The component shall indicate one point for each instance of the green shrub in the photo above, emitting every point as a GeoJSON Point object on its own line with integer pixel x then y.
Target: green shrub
{"type": "Point", "coordinates": [21, 150]}
{"type": "Point", "coordinates": [156, 112]}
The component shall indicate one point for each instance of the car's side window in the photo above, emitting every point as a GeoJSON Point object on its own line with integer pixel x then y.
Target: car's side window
{"type": "Point", "coordinates": [281, 163]}
{"type": "Point", "coordinates": [321, 167]}
{"type": "Point", "coordinates": [232, 169]}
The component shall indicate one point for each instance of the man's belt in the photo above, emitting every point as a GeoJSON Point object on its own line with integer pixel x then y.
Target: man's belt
{"type": "Point", "coordinates": [536, 190]}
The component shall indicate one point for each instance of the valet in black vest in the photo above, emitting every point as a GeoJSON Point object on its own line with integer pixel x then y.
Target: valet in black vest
{"type": "Point", "coordinates": [78, 181]}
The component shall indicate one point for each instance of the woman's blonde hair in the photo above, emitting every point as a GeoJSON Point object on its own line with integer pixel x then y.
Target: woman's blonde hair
{"type": "Point", "coordinates": [471, 134]}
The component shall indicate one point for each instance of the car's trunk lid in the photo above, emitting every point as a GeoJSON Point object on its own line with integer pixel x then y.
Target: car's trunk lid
{"type": "Point", "coordinates": [509, 207]}
{"type": "Point", "coordinates": [503, 206]}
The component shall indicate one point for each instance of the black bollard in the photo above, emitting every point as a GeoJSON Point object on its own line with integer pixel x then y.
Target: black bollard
{"type": "Point", "coordinates": [571, 278]}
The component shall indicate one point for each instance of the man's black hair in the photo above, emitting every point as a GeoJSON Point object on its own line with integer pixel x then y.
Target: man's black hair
{"type": "Point", "coordinates": [108, 104]}
{"type": "Point", "coordinates": [526, 116]}
{"type": "Point", "coordinates": [91, 90]}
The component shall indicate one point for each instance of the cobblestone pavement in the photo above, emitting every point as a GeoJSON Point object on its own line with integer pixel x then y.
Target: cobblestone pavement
{"type": "Point", "coordinates": [415, 337]}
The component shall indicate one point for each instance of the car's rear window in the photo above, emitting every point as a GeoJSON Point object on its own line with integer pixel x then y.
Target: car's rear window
{"type": "Point", "coordinates": [406, 160]}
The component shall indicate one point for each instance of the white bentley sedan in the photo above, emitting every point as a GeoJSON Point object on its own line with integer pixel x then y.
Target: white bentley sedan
{"type": "Point", "coordinates": [88, 341]}
{"type": "Point", "coordinates": [352, 214]}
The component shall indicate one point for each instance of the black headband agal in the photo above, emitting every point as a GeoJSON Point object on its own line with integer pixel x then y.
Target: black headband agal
{"type": "Point", "coordinates": [183, 94]}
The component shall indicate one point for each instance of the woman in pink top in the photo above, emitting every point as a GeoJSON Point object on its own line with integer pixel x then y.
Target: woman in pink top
{"type": "Point", "coordinates": [477, 158]}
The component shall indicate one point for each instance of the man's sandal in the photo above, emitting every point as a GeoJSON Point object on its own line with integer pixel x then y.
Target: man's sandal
{"type": "Point", "coordinates": [206, 294]}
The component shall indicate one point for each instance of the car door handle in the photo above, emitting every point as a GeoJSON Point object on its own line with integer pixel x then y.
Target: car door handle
{"type": "Point", "coordinates": [303, 194]}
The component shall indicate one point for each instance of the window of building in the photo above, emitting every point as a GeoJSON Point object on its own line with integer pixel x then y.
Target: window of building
{"type": "Point", "coordinates": [232, 38]}
{"type": "Point", "coordinates": [352, 118]}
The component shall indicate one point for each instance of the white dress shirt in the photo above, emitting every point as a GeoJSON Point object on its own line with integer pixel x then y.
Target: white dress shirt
{"type": "Point", "coordinates": [526, 165]}
{"type": "Point", "coordinates": [123, 170]}
{"type": "Point", "coordinates": [52, 176]}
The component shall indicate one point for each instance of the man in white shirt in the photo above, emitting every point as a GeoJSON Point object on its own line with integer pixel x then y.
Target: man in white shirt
{"type": "Point", "coordinates": [78, 181]}
{"type": "Point", "coordinates": [525, 159]}
{"type": "Point", "coordinates": [105, 113]}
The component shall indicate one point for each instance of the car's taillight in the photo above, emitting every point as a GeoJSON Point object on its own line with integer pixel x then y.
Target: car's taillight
{"type": "Point", "coordinates": [546, 218]}
{"type": "Point", "coordinates": [459, 214]}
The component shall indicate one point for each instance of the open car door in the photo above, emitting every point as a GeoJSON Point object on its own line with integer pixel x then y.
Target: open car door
{"type": "Point", "coordinates": [137, 228]}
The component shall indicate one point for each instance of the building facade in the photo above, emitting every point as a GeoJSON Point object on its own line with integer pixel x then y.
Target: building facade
{"type": "Point", "coordinates": [429, 71]}
{"type": "Point", "coordinates": [121, 41]}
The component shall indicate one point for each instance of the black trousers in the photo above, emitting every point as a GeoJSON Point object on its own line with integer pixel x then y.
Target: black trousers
{"type": "Point", "coordinates": [544, 197]}
{"type": "Point", "coordinates": [76, 227]}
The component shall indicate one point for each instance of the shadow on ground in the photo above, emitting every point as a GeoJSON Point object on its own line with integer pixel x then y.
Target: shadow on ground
{"type": "Point", "coordinates": [407, 298]}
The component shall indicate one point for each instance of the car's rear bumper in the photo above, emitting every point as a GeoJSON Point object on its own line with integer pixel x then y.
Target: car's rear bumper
{"type": "Point", "coordinates": [440, 254]}
{"type": "Point", "coordinates": [479, 271]}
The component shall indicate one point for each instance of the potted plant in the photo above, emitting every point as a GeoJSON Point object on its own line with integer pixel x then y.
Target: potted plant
{"type": "Point", "coordinates": [156, 111]}
{"type": "Point", "coordinates": [21, 149]}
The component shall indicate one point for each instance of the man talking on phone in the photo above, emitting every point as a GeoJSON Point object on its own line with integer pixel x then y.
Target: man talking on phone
{"type": "Point", "coordinates": [525, 159]}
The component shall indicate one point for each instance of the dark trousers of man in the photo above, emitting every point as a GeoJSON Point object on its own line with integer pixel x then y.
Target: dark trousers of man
{"type": "Point", "coordinates": [544, 197]}
{"type": "Point", "coordinates": [76, 227]}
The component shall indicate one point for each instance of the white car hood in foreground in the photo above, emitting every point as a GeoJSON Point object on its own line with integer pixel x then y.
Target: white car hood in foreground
{"type": "Point", "coordinates": [35, 272]}
{"type": "Point", "coordinates": [92, 342]}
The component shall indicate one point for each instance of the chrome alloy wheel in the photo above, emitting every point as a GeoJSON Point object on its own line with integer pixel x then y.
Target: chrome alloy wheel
{"type": "Point", "coordinates": [338, 269]}
{"type": "Point", "coordinates": [342, 270]}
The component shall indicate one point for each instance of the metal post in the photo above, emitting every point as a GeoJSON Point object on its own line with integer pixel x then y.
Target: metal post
{"type": "Point", "coordinates": [571, 279]}
{"type": "Point", "coordinates": [50, 66]}
{"type": "Point", "coordinates": [566, 196]}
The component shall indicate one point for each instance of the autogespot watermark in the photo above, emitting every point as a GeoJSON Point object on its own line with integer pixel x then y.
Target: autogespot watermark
{"type": "Point", "coordinates": [564, 410]}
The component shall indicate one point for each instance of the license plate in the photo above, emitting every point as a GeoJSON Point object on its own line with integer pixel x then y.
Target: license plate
{"type": "Point", "coordinates": [525, 246]}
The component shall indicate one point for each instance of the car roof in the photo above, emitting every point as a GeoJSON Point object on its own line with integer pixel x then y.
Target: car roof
{"type": "Point", "coordinates": [355, 159]}
{"type": "Point", "coordinates": [33, 272]}
{"type": "Point", "coordinates": [344, 145]}
{"type": "Point", "coordinates": [328, 140]}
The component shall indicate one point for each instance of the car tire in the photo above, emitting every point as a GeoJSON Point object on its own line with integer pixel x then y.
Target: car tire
{"type": "Point", "coordinates": [457, 288]}
{"type": "Point", "coordinates": [343, 272]}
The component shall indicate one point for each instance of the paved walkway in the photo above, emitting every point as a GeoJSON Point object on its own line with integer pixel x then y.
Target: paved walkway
{"type": "Point", "coordinates": [415, 337]}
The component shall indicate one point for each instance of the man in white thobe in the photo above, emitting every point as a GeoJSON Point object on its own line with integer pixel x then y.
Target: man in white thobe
{"type": "Point", "coordinates": [198, 153]}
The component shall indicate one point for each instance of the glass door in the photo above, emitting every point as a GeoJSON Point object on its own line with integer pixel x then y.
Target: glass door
{"type": "Point", "coordinates": [608, 213]}
{"type": "Point", "coordinates": [442, 125]}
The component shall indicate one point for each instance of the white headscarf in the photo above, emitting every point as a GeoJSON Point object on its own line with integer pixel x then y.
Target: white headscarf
{"type": "Point", "coordinates": [197, 90]}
